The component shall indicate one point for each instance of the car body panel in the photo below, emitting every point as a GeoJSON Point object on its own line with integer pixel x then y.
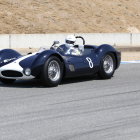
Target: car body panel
{"type": "Point", "coordinates": [86, 64]}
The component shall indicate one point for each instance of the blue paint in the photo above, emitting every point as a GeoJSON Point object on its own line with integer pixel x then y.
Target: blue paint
{"type": "Point", "coordinates": [38, 61]}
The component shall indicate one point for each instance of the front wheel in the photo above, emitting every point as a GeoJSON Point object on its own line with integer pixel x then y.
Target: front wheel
{"type": "Point", "coordinates": [107, 66]}
{"type": "Point", "coordinates": [7, 81]}
{"type": "Point", "coordinates": [52, 72]}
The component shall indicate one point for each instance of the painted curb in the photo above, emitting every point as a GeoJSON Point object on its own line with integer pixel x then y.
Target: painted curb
{"type": "Point", "coordinates": [130, 62]}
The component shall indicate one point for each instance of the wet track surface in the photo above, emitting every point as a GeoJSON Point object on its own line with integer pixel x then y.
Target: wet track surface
{"type": "Point", "coordinates": [78, 109]}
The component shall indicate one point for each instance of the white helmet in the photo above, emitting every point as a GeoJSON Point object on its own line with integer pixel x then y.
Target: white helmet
{"type": "Point", "coordinates": [70, 40]}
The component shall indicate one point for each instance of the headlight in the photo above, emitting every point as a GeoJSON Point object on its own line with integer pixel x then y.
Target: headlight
{"type": "Point", "coordinates": [27, 72]}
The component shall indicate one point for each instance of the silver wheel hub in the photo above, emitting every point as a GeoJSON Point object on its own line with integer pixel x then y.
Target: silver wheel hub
{"type": "Point", "coordinates": [108, 64]}
{"type": "Point", "coordinates": [54, 70]}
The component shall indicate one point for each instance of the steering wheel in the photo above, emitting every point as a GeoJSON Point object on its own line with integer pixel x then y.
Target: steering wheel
{"type": "Point", "coordinates": [81, 38]}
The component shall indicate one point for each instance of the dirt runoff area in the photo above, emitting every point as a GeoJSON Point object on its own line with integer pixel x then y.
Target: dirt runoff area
{"type": "Point", "coordinates": [130, 56]}
{"type": "Point", "coordinates": [69, 16]}
{"type": "Point", "coordinates": [126, 56]}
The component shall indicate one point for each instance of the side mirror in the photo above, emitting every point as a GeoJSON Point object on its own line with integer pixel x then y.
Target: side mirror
{"type": "Point", "coordinates": [56, 42]}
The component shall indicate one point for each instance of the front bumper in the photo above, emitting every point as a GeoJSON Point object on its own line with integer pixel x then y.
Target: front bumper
{"type": "Point", "coordinates": [13, 71]}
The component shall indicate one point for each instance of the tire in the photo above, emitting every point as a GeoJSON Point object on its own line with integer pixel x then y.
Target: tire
{"type": "Point", "coordinates": [7, 81]}
{"type": "Point", "coordinates": [52, 72]}
{"type": "Point", "coordinates": [107, 66]}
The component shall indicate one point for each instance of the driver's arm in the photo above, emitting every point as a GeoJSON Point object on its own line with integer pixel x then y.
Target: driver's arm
{"type": "Point", "coordinates": [81, 48]}
{"type": "Point", "coordinates": [76, 51]}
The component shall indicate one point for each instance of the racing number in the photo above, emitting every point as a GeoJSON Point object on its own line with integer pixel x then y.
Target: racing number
{"type": "Point", "coordinates": [90, 62]}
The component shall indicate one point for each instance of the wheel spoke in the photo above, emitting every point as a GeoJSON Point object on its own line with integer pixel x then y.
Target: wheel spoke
{"type": "Point", "coordinates": [54, 70]}
{"type": "Point", "coordinates": [108, 64]}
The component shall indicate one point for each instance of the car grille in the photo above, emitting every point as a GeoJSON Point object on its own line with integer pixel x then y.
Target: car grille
{"type": "Point", "coordinates": [10, 73]}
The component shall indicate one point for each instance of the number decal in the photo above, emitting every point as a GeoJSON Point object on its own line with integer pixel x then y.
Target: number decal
{"type": "Point", "coordinates": [90, 62]}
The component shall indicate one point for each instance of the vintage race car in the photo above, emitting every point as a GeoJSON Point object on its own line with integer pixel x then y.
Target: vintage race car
{"type": "Point", "coordinates": [52, 65]}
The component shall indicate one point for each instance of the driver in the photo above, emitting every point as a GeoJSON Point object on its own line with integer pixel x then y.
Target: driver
{"type": "Point", "coordinates": [70, 43]}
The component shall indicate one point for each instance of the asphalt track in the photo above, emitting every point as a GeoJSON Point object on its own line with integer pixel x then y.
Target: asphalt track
{"type": "Point", "coordinates": [78, 109]}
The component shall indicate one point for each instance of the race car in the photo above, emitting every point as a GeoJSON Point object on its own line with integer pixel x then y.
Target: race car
{"type": "Point", "coordinates": [54, 64]}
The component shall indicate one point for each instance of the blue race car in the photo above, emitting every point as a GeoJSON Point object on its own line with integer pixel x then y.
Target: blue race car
{"type": "Point", "coordinates": [54, 64]}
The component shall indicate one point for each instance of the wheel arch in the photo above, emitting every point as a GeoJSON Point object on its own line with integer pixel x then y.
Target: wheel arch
{"type": "Point", "coordinates": [102, 73]}
{"type": "Point", "coordinates": [62, 60]}
{"type": "Point", "coordinates": [106, 49]}
{"type": "Point", "coordinates": [41, 59]}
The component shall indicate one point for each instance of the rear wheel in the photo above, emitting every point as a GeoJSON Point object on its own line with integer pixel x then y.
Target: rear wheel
{"type": "Point", "coordinates": [107, 66]}
{"type": "Point", "coordinates": [7, 81]}
{"type": "Point", "coordinates": [52, 72]}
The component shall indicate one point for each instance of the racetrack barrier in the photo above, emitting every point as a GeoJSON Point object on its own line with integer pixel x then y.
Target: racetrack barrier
{"type": "Point", "coordinates": [38, 40]}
